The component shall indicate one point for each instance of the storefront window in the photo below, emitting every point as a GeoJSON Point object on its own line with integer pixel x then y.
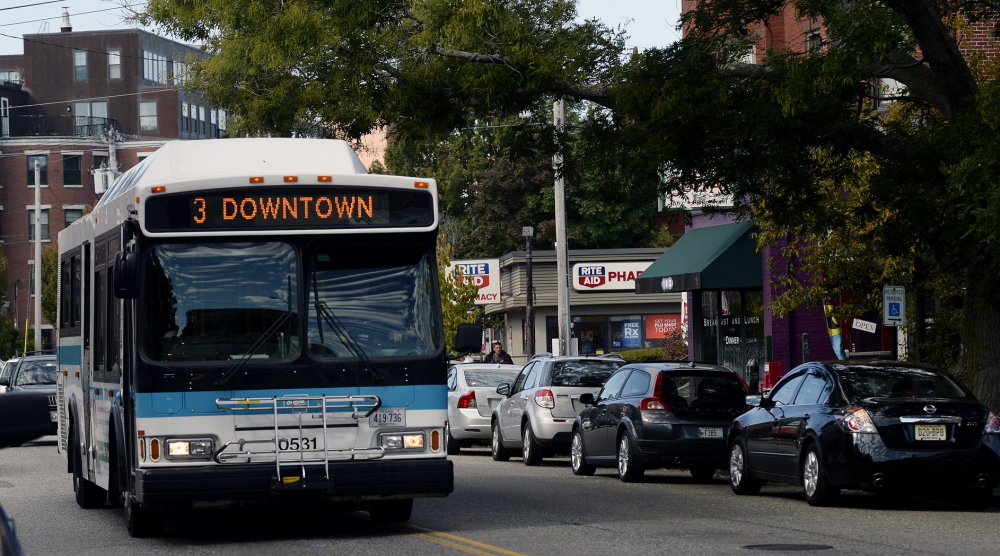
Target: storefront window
{"type": "Point", "coordinates": [731, 327]}
{"type": "Point", "coordinates": [626, 332]}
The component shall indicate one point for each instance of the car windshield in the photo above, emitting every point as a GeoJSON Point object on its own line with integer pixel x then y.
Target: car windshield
{"type": "Point", "coordinates": [33, 373]}
{"type": "Point", "coordinates": [372, 301]}
{"type": "Point", "coordinates": [869, 381]}
{"type": "Point", "coordinates": [214, 302]}
{"type": "Point", "coordinates": [491, 378]}
{"type": "Point", "coordinates": [683, 390]}
{"type": "Point", "coordinates": [583, 372]}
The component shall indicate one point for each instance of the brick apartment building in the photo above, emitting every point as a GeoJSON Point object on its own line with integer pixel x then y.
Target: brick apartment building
{"type": "Point", "coordinates": [86, 106]}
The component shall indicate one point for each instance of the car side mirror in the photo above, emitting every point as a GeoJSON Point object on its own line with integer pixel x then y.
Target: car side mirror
{"type": "Point", "coordinates": [126, 281]}
{"type": "Point", "coordinates": [5, 381]}
{"type": "Point", "coordinates": [587, 398]}
{"type": "Point", "coordinates": [468, 338]}
{"type": "Point", "coordinates": [503, 389]}
{"type": "Point", "coordinates": [766, 403]}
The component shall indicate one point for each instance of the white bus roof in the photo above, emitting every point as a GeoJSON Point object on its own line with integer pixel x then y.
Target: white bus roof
{"type": "Point", "coordinates": [202, 160]}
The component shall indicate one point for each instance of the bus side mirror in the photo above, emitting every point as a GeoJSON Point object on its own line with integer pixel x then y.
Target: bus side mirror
{"type": "Point", "coordinates": [126, 282]}
{"type": "Point", "coordinates": [469, 338]}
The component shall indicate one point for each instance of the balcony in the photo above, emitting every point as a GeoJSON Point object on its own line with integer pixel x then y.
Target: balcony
{"type": "Point", "coordinates": [54, 126]}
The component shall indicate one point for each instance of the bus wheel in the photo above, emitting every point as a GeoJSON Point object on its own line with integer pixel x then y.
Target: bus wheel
{"type": "Point", "coordinates": [88, 495]}
{"type": "Point", "coordinates": [141, 523]}
{"type": "Point", "coordinates": [116, 491]}
{"type": "Point", "coordinates": [391, 511]}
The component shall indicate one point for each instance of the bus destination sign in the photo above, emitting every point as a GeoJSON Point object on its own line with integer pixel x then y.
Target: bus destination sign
{"type": "Point", "coordinates": [285, 208]}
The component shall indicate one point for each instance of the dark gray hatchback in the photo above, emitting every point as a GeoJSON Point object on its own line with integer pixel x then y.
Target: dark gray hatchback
{"type": "Point", "coordinates": [653, 415]}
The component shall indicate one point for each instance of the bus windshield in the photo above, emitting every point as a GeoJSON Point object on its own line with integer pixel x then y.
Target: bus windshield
{"type": "Point", "coordinates": [215, 301]}
{"type": "Point", "coordinates": [376, 300]}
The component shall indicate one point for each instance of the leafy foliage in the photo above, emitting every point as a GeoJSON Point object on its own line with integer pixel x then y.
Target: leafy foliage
{"type": "Point", "coordinates": [457, 297]}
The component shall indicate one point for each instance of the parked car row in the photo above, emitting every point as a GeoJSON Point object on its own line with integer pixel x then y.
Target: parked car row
{"type": "Point", "coordinates": [868, 425]}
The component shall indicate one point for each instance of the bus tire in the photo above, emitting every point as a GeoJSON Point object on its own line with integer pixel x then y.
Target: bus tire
{"type": "Point", "coordinates": [140, 522]}
{"type": "Point", "coordinates": [391, 511]}
{"type": "Point", "coordinates": [454, 448]}
{"type": "Point", "coordinates": [88, 495]}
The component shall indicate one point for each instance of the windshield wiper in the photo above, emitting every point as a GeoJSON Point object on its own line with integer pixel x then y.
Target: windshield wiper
{"type": "Point", "coordinates": [352, 345]}
{"type": "Point", "coordinates": [253, 348]}
{"type": "Point", "coordinates": [275, 326]}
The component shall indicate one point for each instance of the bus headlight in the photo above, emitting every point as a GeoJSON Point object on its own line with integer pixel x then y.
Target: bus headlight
{"type": "Point", "coordinates": [189, 448]}
{"type": "Point", "coordinates": [402, 441]}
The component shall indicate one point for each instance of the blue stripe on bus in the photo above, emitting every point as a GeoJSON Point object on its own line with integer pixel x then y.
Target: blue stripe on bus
{"type": "Point", "coordinates": [197, 404]}
{"type": "Point", "coordinates": [70, 355]}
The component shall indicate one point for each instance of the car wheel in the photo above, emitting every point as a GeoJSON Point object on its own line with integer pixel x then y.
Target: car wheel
{"type": "Point", "coordinates": [815, 484]}
{"type": "Point", "coordinates": [497, 449]}
{"type": "Point", "coordinates": [88, 495]}
{"type": "Point", "coordinates": [578, 454]}
{"type": "Point", "coordinates": [630, 469]}
{"type": "Point", "coordinates": [530, 449]}
{"type": "Point", "coordinates": [141, 523]}
{"type": "Point", "coordinates": [702, 474]}
{"type": "Point", "coordinates": [739, 470]}
{"type": "Point", "coordinates": [391, 511]}
{"type": "Point", "coordinates": [454, 448]}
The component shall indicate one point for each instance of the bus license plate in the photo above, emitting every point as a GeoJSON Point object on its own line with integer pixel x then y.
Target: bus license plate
{"type": "Point", "coordinates": [710, 432]}
{"type": "Point", "coordinates": [931, 432]}
{"type": "Point", "coordinates": [388, 418]}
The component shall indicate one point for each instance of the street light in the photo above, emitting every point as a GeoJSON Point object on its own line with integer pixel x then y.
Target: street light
{"type": "Point", "coordinates": [529, 308]}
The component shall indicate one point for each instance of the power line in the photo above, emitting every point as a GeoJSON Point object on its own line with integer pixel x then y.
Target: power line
{"type": "Point", "coordinates": [29, 5]}
{"type": "Point", "coordinates": [75, 14]}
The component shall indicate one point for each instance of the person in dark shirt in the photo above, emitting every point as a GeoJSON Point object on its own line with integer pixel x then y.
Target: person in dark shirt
{"type": "Point", "coordinates": [498, 355]}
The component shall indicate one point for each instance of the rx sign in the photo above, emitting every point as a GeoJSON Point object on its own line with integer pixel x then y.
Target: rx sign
{"type": "Point", "coordinates": [894, 306]}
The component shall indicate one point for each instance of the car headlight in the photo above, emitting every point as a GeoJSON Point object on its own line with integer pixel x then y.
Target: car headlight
{"type": "Point", "coordinates": [402, 441]}
{"type": "Point", "coordinates": [200, 448]}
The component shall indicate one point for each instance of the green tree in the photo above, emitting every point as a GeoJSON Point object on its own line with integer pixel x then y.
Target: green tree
{"type": "Point", "coordinates": [50, 282]}
{"type": "Point", "coordinates": [457, 297]}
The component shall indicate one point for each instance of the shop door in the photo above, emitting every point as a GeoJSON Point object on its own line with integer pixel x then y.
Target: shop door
{"type": "Point", "coordinates": [592, 337]}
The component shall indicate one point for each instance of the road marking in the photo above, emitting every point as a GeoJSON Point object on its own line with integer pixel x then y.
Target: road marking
{"type": "Point", "coordinates": [445, 540]}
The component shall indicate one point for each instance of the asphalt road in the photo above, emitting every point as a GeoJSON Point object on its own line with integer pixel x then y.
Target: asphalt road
{"type": "Point", "coordinates": [508, 509]}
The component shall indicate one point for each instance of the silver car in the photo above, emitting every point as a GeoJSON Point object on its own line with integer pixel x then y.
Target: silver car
{"type": "Point", "coordinates": [471, 398]}
{"type": "Point", "coordinates": [537, 412]}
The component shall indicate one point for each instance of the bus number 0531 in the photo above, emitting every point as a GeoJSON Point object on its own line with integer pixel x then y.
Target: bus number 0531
{"type": "Point", "coordinates": [298, 444]}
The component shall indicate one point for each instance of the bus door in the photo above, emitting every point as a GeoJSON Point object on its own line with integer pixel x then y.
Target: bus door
{"type": "Point", "coordinates": [105, 354]}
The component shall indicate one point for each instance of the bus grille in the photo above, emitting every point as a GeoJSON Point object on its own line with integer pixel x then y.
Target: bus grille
{"type": "Point", "coordinates": [329, 410]}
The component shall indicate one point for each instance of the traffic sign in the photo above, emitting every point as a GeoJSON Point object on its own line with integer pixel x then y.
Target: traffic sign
{"type": "Point", "coordinates": [894, 306]}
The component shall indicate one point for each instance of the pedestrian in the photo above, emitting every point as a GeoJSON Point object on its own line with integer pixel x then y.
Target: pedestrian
{"type": "Point", "coordinates": [498, 355]}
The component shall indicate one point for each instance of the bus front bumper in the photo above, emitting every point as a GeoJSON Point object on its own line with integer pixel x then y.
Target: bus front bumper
{"type": "Point", "coordinates": [370, 480]}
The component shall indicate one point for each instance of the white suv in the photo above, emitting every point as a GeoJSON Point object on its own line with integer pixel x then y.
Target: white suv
{"type": "Point", "coordinates": [537, 412]}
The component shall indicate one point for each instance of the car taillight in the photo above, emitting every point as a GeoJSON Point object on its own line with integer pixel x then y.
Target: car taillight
{"type": "Point", "coordinates": [653, 403]}
{"type": "Point", "coordinates": [992, 424]}
{"type": "Point", "coordinates": [467, 401]}
{"type": "Point", "coordinates": [856, 419]}
{"type": "Point", "coordinates": [544, 398]}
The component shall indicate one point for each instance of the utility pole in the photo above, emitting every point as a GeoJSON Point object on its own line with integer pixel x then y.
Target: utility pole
{"type": "Point", "coordinates": [529, 307]}
{"type": "Point", "coordinates": [38, 256]}
{"type": "Point", "coordinates": [562, 241]}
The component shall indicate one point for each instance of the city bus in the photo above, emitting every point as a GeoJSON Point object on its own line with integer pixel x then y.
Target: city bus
{"type": "Point", "coordinates": [242, 320]}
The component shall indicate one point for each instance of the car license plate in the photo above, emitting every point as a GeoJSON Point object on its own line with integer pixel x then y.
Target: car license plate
{"type": "Point", "coordinates": [710, 432]}
{"type": "Point", "coordinates": [931, 432]}
{"type": "Point", "coordinates": [388, 418]}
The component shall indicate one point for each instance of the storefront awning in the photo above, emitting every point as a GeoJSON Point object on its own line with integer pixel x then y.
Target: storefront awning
{"type": "Point", "coordinates": [720, 257]}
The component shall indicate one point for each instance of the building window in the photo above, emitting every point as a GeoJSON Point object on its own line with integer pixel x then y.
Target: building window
{"type": "Point", "coordinates": [184, 116]}
{"type": "Point", "coordinates": [91, 117]}
{"type": "Point", "coordinates": [114, 64]}
{"type": "Point", "coordinates": [814, 42]}
{"type": "Point", "coordinates": [72, 215]}
{"type": "Point", "coordinates": [72, 169]}
{"type": "Point", "coordinates": [31, 224]}
{"type": "Point", "coordinates": [80, 65]}
{"type": "Point", "coordinates": [201, 117]}
{"type": "Point", "coordinates": [147, 116]}
{"type": "Point", "coordinates": [43, 166]}
{"type": "Point", "coordinates": [154, 67]}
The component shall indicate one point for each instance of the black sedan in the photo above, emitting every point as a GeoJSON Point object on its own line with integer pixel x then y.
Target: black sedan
{"type": "Point", "coordinates": [871, 425]}
{"type": "Point", "coordinates": [653, 415]}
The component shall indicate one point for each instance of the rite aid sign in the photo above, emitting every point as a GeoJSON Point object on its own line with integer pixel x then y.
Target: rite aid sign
{"type": "Point", "coordinates": [484, 273]}
{"type": "Point", "coordinates": [589, 277]}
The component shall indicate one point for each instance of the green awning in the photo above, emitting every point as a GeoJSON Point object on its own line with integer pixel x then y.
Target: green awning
{"type": "Point", "coordinates": [720, 257]}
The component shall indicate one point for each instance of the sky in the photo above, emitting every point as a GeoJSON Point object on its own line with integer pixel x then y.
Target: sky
{"type": "Point", "coordinates": [650, 23]}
